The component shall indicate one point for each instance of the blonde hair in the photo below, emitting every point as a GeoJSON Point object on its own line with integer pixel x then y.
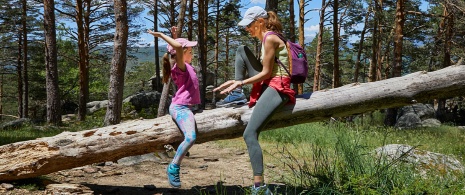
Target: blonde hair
{"type": "Point", "coordinates": [273, 23]}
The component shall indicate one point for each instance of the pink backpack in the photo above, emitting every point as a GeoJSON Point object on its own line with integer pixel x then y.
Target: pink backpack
{"type": "Point", "coordinates": [298, 61]}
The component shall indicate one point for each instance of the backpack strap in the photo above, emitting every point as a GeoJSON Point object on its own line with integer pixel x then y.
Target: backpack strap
{"type": "Point", "coordinates": [276, 58]}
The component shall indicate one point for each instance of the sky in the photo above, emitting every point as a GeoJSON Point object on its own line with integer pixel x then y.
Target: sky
{"type": "Point", "coordinates": [310, 27]}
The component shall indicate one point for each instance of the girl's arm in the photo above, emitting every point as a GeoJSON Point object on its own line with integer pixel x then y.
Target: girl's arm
{"type": "Point", "coordinates": [176, 45]}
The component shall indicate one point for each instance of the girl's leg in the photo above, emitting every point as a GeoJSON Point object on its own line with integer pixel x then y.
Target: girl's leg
{"type": "Point", "coordinates": [266, 106]}
{"type": "Point", "coordinates": [185, 120]}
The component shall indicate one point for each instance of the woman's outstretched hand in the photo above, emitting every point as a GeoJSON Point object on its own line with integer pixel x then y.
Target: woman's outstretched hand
{"type": "Point", "coordinates": [229, 85]}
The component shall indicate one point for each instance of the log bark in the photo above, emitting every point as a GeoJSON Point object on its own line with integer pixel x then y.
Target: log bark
{"type": "Point", "coordinates": [74, 149]}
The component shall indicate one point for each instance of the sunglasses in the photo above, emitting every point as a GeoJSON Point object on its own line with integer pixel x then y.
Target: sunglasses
{"type": "Point", "coordinates": [250, 24]}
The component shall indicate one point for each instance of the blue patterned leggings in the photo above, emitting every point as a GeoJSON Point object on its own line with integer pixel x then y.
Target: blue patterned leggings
{"type": "Point", "coordinates": [184, 118]}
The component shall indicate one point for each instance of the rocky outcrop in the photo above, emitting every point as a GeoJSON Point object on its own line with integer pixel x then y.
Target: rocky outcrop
{"type": "Point", "coordinates": [416, 115]}
{"type": "Point", "coordinates": [424, 161]}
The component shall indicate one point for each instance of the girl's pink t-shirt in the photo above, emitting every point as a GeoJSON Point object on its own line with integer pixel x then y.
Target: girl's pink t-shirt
{"type": "Point", "coordinates": [188, 86]}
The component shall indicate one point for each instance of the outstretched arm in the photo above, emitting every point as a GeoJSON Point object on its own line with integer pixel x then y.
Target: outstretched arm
{"type": "Point", "coordinates": [176, 45]}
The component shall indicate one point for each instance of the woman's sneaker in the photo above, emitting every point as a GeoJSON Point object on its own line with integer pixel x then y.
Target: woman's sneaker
{"type": "Point", "coordinates": [234, 98]}
{"type": "Point", "coordinates": [262, 190]}
{"type": "Point", "coordinates": [173, 175]}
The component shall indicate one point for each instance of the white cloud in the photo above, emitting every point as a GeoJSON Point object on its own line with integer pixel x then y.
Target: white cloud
{"type": "Point", "coordinates": [258, 1]}
{"type": "Point", "coordinates": [313, 28]}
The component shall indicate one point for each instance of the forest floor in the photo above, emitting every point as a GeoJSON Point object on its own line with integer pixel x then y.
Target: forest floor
{"type": "Point", "coordinates": [209, 169]}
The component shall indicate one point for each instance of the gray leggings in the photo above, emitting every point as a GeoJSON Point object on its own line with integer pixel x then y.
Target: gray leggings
{"type": "Point", "coordinates": [269, 101]}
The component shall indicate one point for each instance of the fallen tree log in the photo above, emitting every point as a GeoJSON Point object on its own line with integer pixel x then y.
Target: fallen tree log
{"type": "Point", "coordinates": [74, 149]}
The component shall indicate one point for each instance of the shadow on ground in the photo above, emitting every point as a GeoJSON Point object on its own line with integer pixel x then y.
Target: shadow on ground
{"type": "Point", "coordinates": [200, 190]}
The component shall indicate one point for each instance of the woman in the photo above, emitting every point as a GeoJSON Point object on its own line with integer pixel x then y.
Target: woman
{"type": "Point", "coordinates": [177, 65]}
{"type": "Point", "coordinates": [271, 83]}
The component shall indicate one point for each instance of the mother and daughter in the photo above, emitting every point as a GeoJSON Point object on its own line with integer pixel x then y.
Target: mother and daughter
{"type": "Point", "coordinates": [271, 88]}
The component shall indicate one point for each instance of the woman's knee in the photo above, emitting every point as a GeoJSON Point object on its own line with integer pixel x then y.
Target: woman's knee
{"type": "Point", "coordinates": [241, 49]}
{"type": "Point", "coordinates": [249, 137]}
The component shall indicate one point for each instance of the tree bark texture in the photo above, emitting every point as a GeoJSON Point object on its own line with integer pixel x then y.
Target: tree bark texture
{"type": "Point", "coordinates": [391, 113]}
{"type": "Point", "coordinates": [319, 48]}
{"type": "Point", "coordinates": [53, 95]}
{"type": "Point", "coordinates": [118, 65]}
{"type": "Point", "coordinates": [74, 149]}
{"type": "Point", "coordinates": [336, 72]}
{"type": "Point", "coordinates": [24, 72]}
{"type": "Point", "coordinates": [83, 67]}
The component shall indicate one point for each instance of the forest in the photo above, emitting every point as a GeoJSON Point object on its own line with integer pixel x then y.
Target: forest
{"type": "Point", "coordinates": [357, 41]}
{"type": "Point", "coordinates": [368, 59]}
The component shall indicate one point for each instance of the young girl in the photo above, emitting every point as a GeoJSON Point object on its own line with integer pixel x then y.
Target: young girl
{"type": "Point", "coordinates": [271, 83]}
{"type": "Point", "coordinates": [176, 63]}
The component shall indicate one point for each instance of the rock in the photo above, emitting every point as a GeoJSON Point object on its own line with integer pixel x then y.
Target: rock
{"type": "Point", "coordinates": [416, 115]}
{"type": "Point", "coordinates": [7, 186]}
{"type": "Point", "coordinates": [408, 120]}
{"type": "Point", "coordinates": [144, 99]}
{"type": "Point", "coordinates": [96, 105]}
{"type": "Point", "coordinates": [423, 160]}
{"type": "Point", "coordinates": [75, 189]}
{"type": "Point", "coordinates": [210, 159]}
{"type": "Point", "coordinates": [15, 124]}
{"type": "Point", "coordinates": [431, 122]}
{"type": "Point", "coordinates": [132, 160]}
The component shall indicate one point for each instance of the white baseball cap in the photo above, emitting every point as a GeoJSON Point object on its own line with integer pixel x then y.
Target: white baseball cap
{"type": "Point", "coordinates": [252, 14]}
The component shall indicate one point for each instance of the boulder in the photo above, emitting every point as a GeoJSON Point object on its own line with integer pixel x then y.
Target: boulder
{"type": "Point", "coordinates": [424, 161]}
{"type": "Point", "coordinates": [416, 115]}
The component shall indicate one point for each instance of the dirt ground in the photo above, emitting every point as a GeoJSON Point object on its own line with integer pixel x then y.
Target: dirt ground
{"type": "Point", "coordinates": [209, 169]}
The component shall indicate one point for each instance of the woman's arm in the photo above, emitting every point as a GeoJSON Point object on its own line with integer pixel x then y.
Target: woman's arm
{"type": "Point", "coordinates": [176, 45]}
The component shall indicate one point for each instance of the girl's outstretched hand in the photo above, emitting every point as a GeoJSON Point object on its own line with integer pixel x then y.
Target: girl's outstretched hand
{"type": "Point", "coordinates": [229, 85]}
{"type": "Point", "coordinates": [156, 34]}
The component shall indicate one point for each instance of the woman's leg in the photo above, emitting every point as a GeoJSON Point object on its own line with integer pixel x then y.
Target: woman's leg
{"type": "Point", "coordinates": [185, 120]}
{"type": "Point", "coordinates": [246, 64]}
{"type": "Point", "coordinates": [266, 106]}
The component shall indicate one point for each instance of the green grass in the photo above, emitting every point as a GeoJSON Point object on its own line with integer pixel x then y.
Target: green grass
{"type": "Point", "coordinates": [337, 158]}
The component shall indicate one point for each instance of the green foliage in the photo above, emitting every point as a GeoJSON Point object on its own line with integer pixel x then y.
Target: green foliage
{"type": "Point", "coordinates": [337, 158]}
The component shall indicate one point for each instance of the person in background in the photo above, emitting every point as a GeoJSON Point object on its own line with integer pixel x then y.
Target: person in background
{"type": "Point", "coordinates": [271, 83]}
{"type": "Point", "coordinates": [177, 65]}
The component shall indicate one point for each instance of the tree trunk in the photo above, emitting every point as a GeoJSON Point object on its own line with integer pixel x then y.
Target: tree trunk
{"type": "Point", "coordinates": [190, 23]}
{"type": "Point", "coordinates": [203, 50]}
{"type": "Point", "coordinates": [391, 113]}
{"type": "Point", "coordinates": [319, 47]}
{"type": "Point", "coordinates": [375, 40]}
{"type": "Point", "coordinates": [272, 5]}
{"type": "Point", "coordinates": [83, 69]}
{"type": "Point", "coordinates": [336, 72]}
{"type": "Point", "coordinates": [449, 26]}
{"type": "Point", "coordinates": [24, 72]}
{"type": "Point", "coordinates": [162, 106]}
{"type": "Point", "coordinates": [20, 76]}
{"type": "Point", "coordinates": [158, 85]}
{"type": "Point", "coordinates": [118, 64]}
{"type": "Point", "coordinates": [53, 95]}
{"type": "Point", "coordinates": [217, 48]}
{"type": "Point", "coordinates": [74, 149]}
{"type": "Point", "coordinates": [360, 46]}
{"type": "Point", "coordinates": [300, 87]}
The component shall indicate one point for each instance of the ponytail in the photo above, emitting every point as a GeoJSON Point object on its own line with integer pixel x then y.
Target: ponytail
{"type": "Point", "coordinates": [166, 67]}
{"type": "Point", "coordinates": [273, 23]}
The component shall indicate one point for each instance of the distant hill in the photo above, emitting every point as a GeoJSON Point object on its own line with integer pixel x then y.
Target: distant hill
{"type": "Point", "coordinates": [144, 54]}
